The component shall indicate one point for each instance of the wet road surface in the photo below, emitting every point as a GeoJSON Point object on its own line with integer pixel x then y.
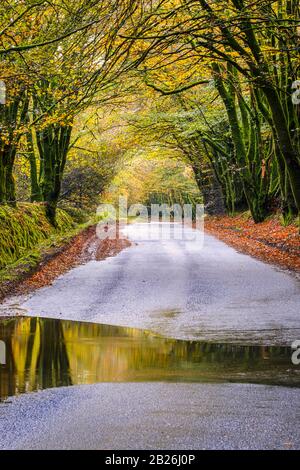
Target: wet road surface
{"type": "Point", "coordinates": [180, 289]}
{"type": "Point", "coordinates": [153, 416]}
{"type": "Point", "coordinates": [170, 394]}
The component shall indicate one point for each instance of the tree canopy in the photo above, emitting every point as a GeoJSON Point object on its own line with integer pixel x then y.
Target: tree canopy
{"type": "Point", "coordinates": [207, 90]}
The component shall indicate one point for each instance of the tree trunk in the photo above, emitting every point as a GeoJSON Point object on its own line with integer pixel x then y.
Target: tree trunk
{"type": "Point", "coordinates": [35, 195]}
{"type": "Point", "coordinates": [288, 152]}
{"type": "Point", "coordinates": [53, 144]}
{"type": "Point", "coordinates": [2, 181]}
{"type": "Point", "coordinates": [255, 203]}
{"type": "Point", "coordinates": [10, 180]}
{"type": "Point", "coordinates": [211, 190]}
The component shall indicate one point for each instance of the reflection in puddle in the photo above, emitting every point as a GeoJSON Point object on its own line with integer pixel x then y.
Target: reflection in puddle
{"type": "Point", "coordinates": [172, 313]}
{"type": "Point", "coordinates": [43, 353]}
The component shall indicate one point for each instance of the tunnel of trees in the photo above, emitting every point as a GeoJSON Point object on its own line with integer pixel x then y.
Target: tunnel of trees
{"type": "Point", "coordinates": [209, 87]}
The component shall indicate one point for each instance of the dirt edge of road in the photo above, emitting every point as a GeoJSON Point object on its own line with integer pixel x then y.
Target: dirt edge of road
{"type": "Point", "coordinates": [268, 241]}
{"type": "Point", "coordinates": [83, 247]}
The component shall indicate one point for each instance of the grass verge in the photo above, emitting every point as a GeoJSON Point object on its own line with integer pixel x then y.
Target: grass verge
{"type": "Point", "coordinates": [28, 241]}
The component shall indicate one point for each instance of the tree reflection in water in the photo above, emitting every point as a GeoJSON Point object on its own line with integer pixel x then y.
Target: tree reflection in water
{"type": "Point", "coordinates": [45, 353]}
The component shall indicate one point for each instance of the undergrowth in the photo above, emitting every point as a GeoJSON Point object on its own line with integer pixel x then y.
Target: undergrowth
{"type": "Point", "coordinates": [24, 228]}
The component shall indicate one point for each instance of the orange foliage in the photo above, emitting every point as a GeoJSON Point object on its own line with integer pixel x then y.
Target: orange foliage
{"type": "Point", "coordinates": [268, 241]}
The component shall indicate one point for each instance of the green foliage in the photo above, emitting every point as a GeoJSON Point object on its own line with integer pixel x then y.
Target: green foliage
{"type": "Point", "coordinates": [24, 228]}
{"type": "Point", "coordinates": [155, 177]}
{"type": "Point", "coordinates": [82, 186]}
{"type": "Point", "coordinates": [210, 83]}
{"type": "Point", "coordinates": [79, 216]}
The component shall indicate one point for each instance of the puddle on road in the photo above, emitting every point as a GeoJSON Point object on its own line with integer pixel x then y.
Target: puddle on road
{"type": "Point", "coordinates": [44, 353]}
{"type": "Point", "coordinates": [162, 314]}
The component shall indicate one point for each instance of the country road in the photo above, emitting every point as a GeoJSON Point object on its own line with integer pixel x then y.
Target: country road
{"type": "Point", "coordinates": [179, 289]}
{"type": "Point", "coordinates": [150, 226]}
{"type": "Point", "coordinates": [123, 416]}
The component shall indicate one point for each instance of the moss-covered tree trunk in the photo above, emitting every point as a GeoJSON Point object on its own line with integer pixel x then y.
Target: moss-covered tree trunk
{"type": "Point", "coordinates": [245, 144]}
{"type": "Point", "coordinates": [210, 188]}
{"type": "Point", "coordinates": [7, 181]}
{"type": "Point", "coordinates": [2, 180]}
{"type": "Point", "coordinates": [35, 194]}
{"type": "Point", "coordinates": [12, 117]}
{"type": "Point", "coordinates": [53, 144]}
{"type": "Point", "coordinates": [9, 176]}
{"type": "Point", "coordinates": [274, 81]}
{"type": "Point", "coordinates": [287, 149]}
